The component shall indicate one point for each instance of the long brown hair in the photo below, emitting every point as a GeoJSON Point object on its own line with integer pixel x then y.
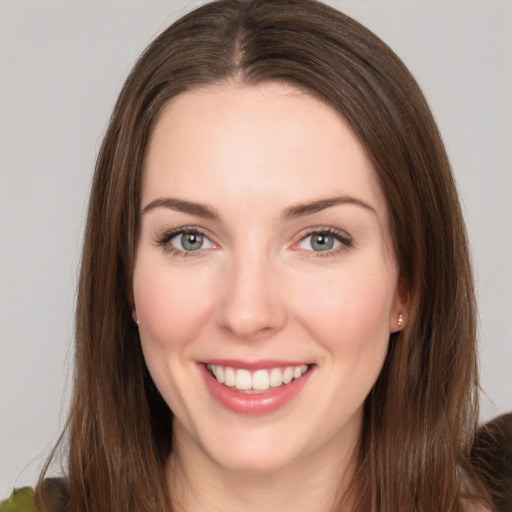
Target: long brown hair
{"type": "Point", "coordinates": [419, 419]}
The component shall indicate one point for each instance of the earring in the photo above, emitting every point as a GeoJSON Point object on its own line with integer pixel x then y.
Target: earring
{"type": "Point", "coordinates": [400, 321]}
{"type": "Point", "coordinates": [137, 322]}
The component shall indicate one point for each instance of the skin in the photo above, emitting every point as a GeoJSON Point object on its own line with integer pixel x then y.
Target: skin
{"type": "Point", "coordinates": [258, 289]}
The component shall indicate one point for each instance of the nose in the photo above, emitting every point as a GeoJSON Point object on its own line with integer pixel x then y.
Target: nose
{"type": "Point", "coordinates": [251, 301]}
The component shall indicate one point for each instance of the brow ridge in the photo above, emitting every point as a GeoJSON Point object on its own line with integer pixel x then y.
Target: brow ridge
{"type": "Point", "coordinates": [294, 211]}
{"type": "Point", "coordinates": [181, 205]}
{"type": "Point", "coordinates": [303, 209]}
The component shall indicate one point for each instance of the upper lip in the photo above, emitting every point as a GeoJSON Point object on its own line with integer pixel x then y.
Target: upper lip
{"type": "Point", "coordinates": [254, 365]}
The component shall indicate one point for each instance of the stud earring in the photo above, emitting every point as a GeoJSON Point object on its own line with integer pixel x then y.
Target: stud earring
{"type": "Point", "coordinates": [400, 321]}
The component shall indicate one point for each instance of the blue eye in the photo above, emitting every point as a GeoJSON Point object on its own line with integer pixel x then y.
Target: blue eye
{"type": "Point", "coordinates": [184, 241]}
{"type": "Point", "coordinates": [325, 241]}
{"type": "Point", "coordinates": [187, 241]}
{"type": "Point", "coordinates": [319, 242]}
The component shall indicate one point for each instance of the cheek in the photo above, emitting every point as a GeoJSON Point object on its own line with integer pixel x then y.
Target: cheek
{"type": "Point", "coordinates": [350, 310]}
{"type": "Point", "coordinates": [170, 306]}
{"type": "Point", "coordinates": [171, 309]}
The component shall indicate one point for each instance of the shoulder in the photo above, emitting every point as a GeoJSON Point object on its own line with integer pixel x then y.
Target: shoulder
{"type": "Point", "coordinates": [53, 492]}
{"type": "Point", "coordinates": [491, 455]}
{"type": "Point", "coordinates": [21, 500]}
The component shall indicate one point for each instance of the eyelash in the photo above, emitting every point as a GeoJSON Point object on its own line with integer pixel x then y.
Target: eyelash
{"type": "Point", "coordinates": [344, 239]}
{"type": "Point", "coordinates": [164, 239]}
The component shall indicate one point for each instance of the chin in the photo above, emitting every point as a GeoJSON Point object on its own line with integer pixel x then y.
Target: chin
{"type": "Point", "coordinates": [257, 450]}
{"type": "Point", "coordinates": [253, 461]}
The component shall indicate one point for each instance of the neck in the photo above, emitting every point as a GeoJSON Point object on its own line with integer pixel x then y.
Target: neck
{"type": "Point", "coordinates": [315, 483]}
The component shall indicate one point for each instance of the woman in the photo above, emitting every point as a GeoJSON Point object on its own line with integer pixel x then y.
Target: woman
{"type": "Point", "coordinates": [259, 319]}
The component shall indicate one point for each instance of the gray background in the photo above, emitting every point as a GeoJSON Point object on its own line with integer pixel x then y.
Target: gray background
{"type": "Point", "coordinates": [62, 64]}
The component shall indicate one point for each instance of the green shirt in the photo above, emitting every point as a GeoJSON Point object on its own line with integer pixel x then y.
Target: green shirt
{"type": "Point", "coordinates": [23, 499]}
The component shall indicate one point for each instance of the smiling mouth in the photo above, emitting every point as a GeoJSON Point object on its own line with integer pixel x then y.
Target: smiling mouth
{"type": "Point", "coordinates": [258, 381]}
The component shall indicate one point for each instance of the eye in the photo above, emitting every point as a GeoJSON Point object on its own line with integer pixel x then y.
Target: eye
{"type": "Point", "coordinates": [184, 241]}
{"type": "Point", "coordinates": [319, 242]}
{"type": "Point", "coordinates": [325, 241]}
{"type": "Point", "coordinates": [191, 241]}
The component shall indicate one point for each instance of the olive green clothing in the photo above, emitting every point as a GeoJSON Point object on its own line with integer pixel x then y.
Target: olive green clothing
{"type": "Point", "coordinates": [54, 497]}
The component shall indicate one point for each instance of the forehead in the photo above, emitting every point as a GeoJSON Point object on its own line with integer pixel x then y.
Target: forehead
{"type": "Point", "coordinates": [269, 142]}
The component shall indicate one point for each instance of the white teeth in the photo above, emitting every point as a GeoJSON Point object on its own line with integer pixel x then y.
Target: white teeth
{"type": "Point", "coordinates": [288, 375]}
{"type": "Point", "coordinates": [260, 380]}
{"type": "Point", "coordinates": [243, 379]}
{"type": "Point", "coordinates": [219, 374]}
{"type": "Point", "coordinates": [276, 377]}
{"type": "Point", "coordinates": [229, 377]}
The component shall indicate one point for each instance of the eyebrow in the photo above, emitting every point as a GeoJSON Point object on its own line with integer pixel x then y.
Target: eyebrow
{"type": "Point", "coordinates": [180, 205]}
{"type": "Point", "coordinates": [303, 209]}
{"type": "Point", "coordinates": [298, 210]}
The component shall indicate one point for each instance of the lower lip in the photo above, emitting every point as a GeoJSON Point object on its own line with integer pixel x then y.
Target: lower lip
{"type": "Point", "coordinates": [253, 404]}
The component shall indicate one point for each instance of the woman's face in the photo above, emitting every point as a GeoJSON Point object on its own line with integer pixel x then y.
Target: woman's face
{"type": "Point", "coordinates": [264, 258]}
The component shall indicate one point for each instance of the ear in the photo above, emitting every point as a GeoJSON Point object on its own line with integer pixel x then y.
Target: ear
{"type": "Point", "coordinates": [133, 309]}
{"type": "Point", "coordinates": [135, 317]}
{"type": "Point", "coordinates": [400, 309]}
